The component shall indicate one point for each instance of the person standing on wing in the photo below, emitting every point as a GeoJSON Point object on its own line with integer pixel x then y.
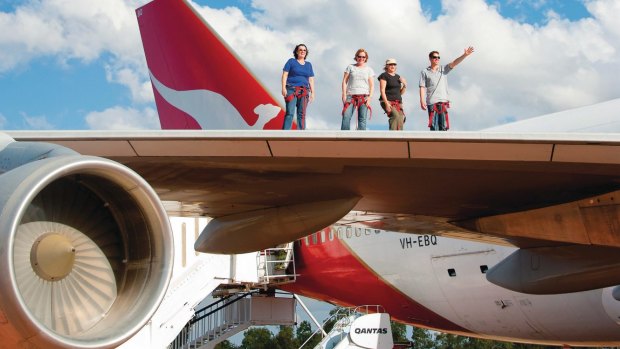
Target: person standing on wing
{"type": "Point", "coordinates": [357, 88]}
{"type": "Point", "coordinates": [297, 87]}
{"type": "Point", "coordinates": [434, 90]}
{"type": "Point", "coordinates": [392, 87]}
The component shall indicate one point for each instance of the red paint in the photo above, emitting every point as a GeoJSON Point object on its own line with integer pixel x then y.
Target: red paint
{"type": "Point", "coordinates": [184, 53]}
{"type": "Point", "coordinates": [330, 272]}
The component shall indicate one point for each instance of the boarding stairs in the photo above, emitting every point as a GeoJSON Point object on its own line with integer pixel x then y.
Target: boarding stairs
{"type": "Point", "coordinates": [242, 305]}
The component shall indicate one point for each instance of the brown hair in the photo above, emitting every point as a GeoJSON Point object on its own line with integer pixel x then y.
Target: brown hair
{"type": "Point", "coordinates": [360, 51]}
{"type": "Point", "coordinates": [430, 54]}
{"type": "Point", "coordinates": [297, 47]}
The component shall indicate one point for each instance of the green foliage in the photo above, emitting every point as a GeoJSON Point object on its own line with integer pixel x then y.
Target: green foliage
{"type": "Point", "coordinates": [285, 338]}
{"type": "Point", "coordinates": [225, 345]}
{"type": "Point", "coordinates": [422, 339]}
{"type": "Point", "coordinates": [399, 332]}
{"type": "Point", "coordinates": [257, 338]}
{"type": "Point", "coordinates": [304, 331]}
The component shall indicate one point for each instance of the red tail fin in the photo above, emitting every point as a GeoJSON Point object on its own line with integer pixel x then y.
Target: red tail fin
{"type": "Point", "coordinates": [198, 82]}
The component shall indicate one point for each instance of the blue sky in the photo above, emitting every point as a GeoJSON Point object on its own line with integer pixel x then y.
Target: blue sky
{"type": "Point", "coordinates": [77, 77]}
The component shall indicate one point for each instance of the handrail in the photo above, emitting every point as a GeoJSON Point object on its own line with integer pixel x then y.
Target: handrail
{"type": "Point", "coordinates": [196, 319]}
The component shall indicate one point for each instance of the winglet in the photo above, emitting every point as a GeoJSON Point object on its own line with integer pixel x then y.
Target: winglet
{"type": "Point", "coordinates": [199, 83]}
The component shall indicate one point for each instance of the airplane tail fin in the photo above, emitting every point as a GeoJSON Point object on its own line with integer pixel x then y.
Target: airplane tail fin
{"type": "Point", "coordinates": [199, 83]}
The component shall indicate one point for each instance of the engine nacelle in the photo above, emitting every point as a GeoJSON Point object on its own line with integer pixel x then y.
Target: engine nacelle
{"type": "Point", "coordinates": [86, 253]}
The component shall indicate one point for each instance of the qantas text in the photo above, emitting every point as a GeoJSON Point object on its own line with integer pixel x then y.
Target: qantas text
{"type": "Point", "coordinates": [371, 330]}
{"type": "Point", "coordinates": [418, 241]}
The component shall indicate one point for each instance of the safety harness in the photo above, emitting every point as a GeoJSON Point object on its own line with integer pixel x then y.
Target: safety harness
{"type": "Point", "coordinates": [398, 106]}
{"type": "Point", "coordinates": [357, 101]}
{"type": "Point", "coordinates": [300, 92]}
{"type": "Point", "coordinates": [439, 108]}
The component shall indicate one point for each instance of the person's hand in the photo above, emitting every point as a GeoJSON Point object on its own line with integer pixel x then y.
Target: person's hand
{"type": "Point", "coordinates": [284, 92]}
{"type": "Point", "coordinates": [403, 81]}
{"type": "Point", "coordinates": [311, 97]}
{"type": "Point", "coordinates": [469, 51]}
{"type": "Point", "coordinates": [344, 99]}
{"type": "Point", "coordinates": [423, 105]}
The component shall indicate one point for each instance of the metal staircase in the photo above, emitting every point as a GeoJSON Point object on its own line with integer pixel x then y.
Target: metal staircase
{"type": "Point", "coordinates": [214, 323]}
{"type": "Point", "coordinates": [241, 308]}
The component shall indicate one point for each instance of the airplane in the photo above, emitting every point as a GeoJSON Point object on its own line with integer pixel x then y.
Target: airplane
{"type": "Point", "coordinates": [543, 207]}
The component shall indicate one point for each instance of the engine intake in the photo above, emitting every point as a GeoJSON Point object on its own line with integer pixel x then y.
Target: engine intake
{"type": "Point", "coordinates": [86, 253]}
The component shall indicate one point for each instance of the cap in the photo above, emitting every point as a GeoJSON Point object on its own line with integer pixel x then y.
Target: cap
{"type": "Point", "coordinates": [390, 61]}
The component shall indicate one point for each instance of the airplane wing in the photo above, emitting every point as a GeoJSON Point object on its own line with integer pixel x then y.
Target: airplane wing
{"type": "Point", "coordinates": [523, 189]}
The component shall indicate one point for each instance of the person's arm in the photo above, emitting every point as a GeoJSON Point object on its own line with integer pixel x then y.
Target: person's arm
{"type": "Point", "coordinates": [312, 91]}
{"type": "Point", "coordinates": [345, 80]}
{"type": "Point", "coordinates": [371, 89]}
{"type": "Point", "coordinates": [284, 77]}
{"type": "Point", "coordinates": [467, 52]}
{"type": "Point", "coordinates": [423, 97]}
{"type": "Point", "coordinates": [403, 85]}
{"type": "Point", "coordinates": [382, 84]}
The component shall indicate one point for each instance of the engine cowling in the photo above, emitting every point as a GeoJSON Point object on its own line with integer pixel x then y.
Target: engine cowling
{"type": "Point", "coordinates": [86, 253]}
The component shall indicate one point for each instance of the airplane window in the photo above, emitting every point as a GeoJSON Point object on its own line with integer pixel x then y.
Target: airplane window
{"type": "Point", "coordinates": [483, 269]}
{"type": "Point", "coordinates": [452, 272]}
{"type": "Point", "coordinates": [358, 232]}
{"type": "Point", "coordinates": [322, 236]}
{"type": "Point", "coordinates": [349, 232]}
{"type": "Point", "coordinates": [340, 233]}
{"type": "Point", "coordinates": [367, 231]}
{"type": "Point", "coordinates": [377, 231]}
{"type": "Point", "coordinates": [315, 238]}
{"type": "Point", "coordinates": [307, 241]}
{"type": "Point", "coordinates": [331, 234]}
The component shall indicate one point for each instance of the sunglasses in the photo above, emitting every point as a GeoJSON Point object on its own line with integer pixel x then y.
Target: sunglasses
{"type": "Point", "coordinates": [394, 64]}
{"type": "Point", "coordinates": [435, 57]}
{"type": "Point", "coordinates": [360, 56]}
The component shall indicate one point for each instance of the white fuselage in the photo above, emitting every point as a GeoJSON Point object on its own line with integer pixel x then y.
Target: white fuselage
{"type": "Point", "coordinates": [447, 277]}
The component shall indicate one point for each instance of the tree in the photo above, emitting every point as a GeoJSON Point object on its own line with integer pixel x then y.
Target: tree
{"type": "Point", "coordinates": [304, 331]}
{"type": "Point", "coordinates": [399, 332]}
{"type": "Point", "coordinates": [257, 338]}
{"type": "Point", "coordinates": [422, 339]}
{"type": "Point", "coordinates": [225, 344]}
{"type": "Point", "coordinates": [285, 339]}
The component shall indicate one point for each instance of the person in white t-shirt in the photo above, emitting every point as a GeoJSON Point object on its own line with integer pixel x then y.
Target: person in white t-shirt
{"type": "Point", "coordinates": [357, 89]}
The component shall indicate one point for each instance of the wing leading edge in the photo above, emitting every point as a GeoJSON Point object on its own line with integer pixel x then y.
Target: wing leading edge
{"type": "Point", "coordinates": [524, 189]}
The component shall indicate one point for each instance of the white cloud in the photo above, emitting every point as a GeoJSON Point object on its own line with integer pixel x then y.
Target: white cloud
{"type": "Point", "coordinates": [121, 118]}
{"type": "Point", "coordinates": [67, 30]}
{"type": "Point", "coordinates": [517, 70]}
{"type": "Point", "coordinates": [36, 122]}
{"type": "Point", "coordinates": [2, 121]}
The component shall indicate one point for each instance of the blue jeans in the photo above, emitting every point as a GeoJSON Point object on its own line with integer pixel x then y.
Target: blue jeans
{"type": "Point", "coordinates": [300, 104]}
{"type": "Point", "coordinates": [362, 115]}
{"type": "Point", "coordinates": [438, 122]}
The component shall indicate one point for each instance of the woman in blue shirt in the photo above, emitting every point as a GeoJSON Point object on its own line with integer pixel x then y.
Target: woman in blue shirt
{"type": "Point", "coordinates": [297, 87]}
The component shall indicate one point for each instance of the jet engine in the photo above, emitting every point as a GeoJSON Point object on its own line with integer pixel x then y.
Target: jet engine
{"type": "Point", "coordinates": [86, 253]}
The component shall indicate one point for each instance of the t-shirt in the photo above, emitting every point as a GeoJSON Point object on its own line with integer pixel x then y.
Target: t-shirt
{"type": "Point", "coordinates": [392, 87]}
{"type": "Point", "coordinates": [436, 84]}
{"type": "Point", "coordinates": [358, 79]}
{"type": "Point", "coordinates": [298, 74]}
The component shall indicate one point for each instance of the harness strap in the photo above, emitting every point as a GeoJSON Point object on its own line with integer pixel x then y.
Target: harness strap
{"type": "Point", "coordinates": [439, 108]}
{"type": "Point", "coordinates": [357, 101]}
{"type": "Point", "coordinates": [301, 92]}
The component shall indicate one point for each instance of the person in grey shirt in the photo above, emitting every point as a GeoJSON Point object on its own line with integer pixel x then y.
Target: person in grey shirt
{"type": "Point", "coordinates": [434, 90]}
